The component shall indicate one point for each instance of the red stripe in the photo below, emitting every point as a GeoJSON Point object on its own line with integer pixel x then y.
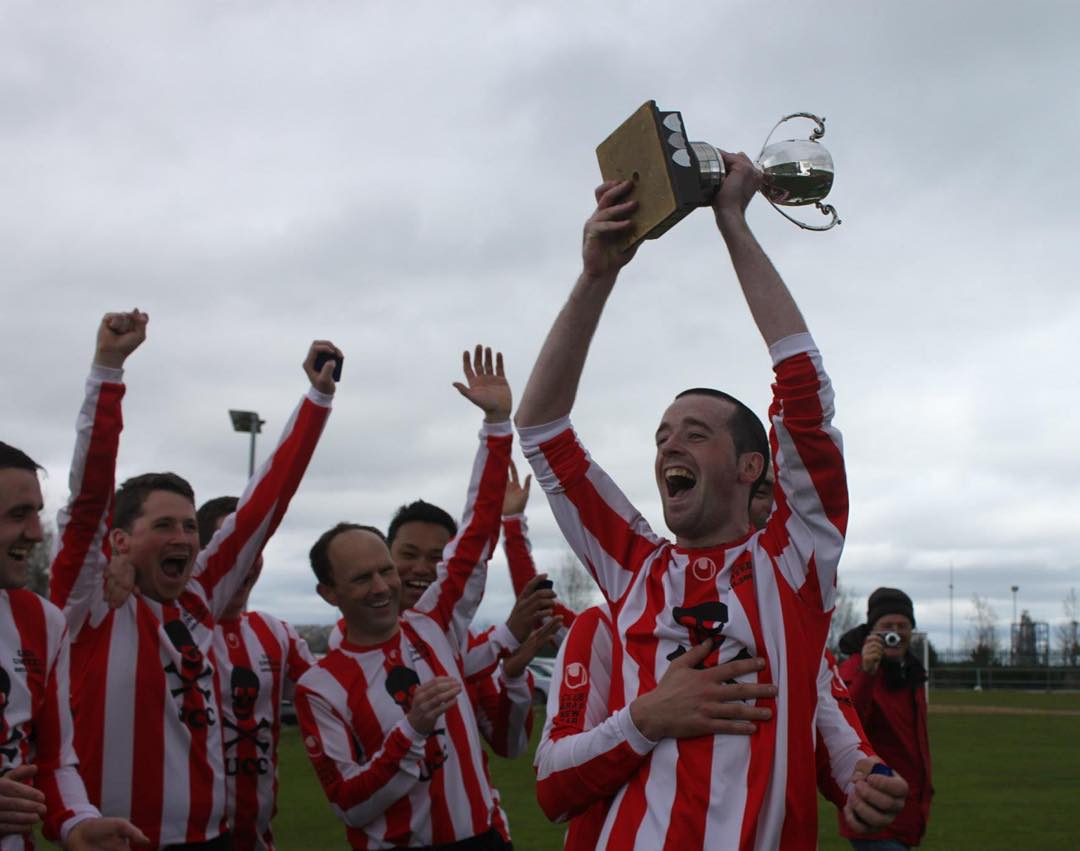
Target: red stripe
{"type": "Point", "coordinates": [471, 541]}
{"type": "Point", "coordinates": [44, 733]}
{"type": "Point", "coordinates": [804, 637]}
{"type": "Point", "coordinates": [148, 759]}
{"type": "Point", "coordinates": [823, 459]}
{"type": "Point", "coordinates": [693, 769]}
{"type": "Point", "coordinates": [364, 724]}
{"type": "Point", "coordinates": [270, 496]}
{"type": "Point", "coordinates": [91, 504]}
{"type": "Point", "coordinates": [245, 786]}
{"type": "Point", "coordinates": [91, 653]}
{"type": "Point", "coordinates": [459, 740]}
{"type": "Point", "coordinates": [630, 813]}
{"type": "Point", "coordinates": [643, 651]}
{"type": "Point", "coordinates": [763, 742]}
{"type": "Point", "coordinates": [570, 464]}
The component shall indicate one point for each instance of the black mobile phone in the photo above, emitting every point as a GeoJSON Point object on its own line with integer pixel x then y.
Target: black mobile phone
{"type": "Point", "coordinates": [544, 584]}
{"type": "Point", "coordinates": [323, 357]}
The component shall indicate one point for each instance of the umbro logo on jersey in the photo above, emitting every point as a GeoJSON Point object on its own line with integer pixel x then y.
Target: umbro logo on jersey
{"type": "Point", "coordinates": [576, 675]}
{"type": "Point", "coordinates": [704, 569]}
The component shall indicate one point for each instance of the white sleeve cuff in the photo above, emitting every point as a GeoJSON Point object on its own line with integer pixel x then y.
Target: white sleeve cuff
{"type": "Point", "coordinates": [316, 395]}
{"type": "Point", "coordinates": [83, 813]}
{"type": "Point", "coordinates": [793, 344]}
{"type": "Point", "coordinates": [418, 739]}
{"type": "Point", "coordinates": [504, 638]}
{"type": "Point", "coordinates": [533, 436]}
{"type": "Point", "coordinates": [632, 734]}
{"type": "Point", "coordinates": [499, 429]}
{"type": "Point", "coordinates": [106, 373]}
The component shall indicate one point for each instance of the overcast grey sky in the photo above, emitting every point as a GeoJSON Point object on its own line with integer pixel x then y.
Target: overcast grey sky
{"type": "Point", "coordinates": [409, 179]}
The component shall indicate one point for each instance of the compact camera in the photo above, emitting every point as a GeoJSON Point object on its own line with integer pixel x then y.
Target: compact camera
{"type": "Point", "coordinates": [891, 639]}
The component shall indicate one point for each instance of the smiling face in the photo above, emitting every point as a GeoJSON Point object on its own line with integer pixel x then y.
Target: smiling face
{"type": "Point", "coordinates": [20, 525]}
{"type": "Point", "coordinates": [365, 586]}
{"type": "Point", "coordinates": [704, 487]}
{"type": "Point", "coordinates": [416, 552]}
{"type": "Point", "coordinates": [162, 544]}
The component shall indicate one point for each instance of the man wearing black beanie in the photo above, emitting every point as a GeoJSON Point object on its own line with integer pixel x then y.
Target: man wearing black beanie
{"type": "Point", "coordinates": [887, 685]}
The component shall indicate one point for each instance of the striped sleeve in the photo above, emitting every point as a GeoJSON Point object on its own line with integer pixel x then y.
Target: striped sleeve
{"type": "Point", "coordinates": [841, 741]}
{"type": "Point", "coordinates": [523, 569]}
{"type": "Point", "coordinates": [585, 755]}
{"type": "Point", "coordinates": [66, 802]}
{"type": "Point", "coordinates": [360, 787]}
{"type": "Point", "coordinates": [76, 575]}
{"type": "Point", "coordinates": [224, 563]}
{"type": "Point", "coordinates": [298, 657]}
{"type": "Point", "coordinates": [806, 530]}
{"type": "Point", "coordinates": [504, 711]}
{"type": "Point", "coordinates": [452, 599]}
{"type": "Point", "coordinates": [484, 650]}
{"type": "Point", "coordinates": [607, 534]}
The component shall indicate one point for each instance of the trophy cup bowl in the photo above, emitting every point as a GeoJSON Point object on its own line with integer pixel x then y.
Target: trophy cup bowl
{"type": "Point", "coordinates": [673, 176]}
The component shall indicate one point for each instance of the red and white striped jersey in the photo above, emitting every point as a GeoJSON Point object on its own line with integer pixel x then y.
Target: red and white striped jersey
{"type": "Point", "coordinates": [258, 658]}
{"type": "Point", "coordinates": [523, 569]}
{"type": "Point", "coordinates": [391, 785]}
{"type": "Point", "coordinates": [841, 739]}
{"type": "Point", "coordinates": [586, 754]}
{"type": "Point", "coordinates": [769, 594]}
{"type": "Point", "coordinates": [35, 717]}
{"type": "Point", "coordinates": [148, 731]}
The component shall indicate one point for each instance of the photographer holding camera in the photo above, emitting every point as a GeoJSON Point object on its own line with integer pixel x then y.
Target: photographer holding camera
{"type": "Point", "coordinates": [888, 688]}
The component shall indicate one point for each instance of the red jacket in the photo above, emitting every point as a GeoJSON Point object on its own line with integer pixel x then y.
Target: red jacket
{"type": "Point", "coordinates": [895, 723]}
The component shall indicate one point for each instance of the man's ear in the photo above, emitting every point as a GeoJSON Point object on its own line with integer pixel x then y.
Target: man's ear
{"type": "Point", "coordinates": [120, 541]}
{"type": "Point", "coordinates": [751, 465]}
{"type": "Point", "coordinates": [328, 593]}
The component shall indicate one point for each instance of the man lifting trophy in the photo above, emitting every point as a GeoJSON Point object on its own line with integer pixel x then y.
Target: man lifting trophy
{"type": "Point", "coordinates": [673, 175]}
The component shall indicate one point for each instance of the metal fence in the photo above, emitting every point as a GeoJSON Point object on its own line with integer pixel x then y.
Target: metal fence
{"type": "Point", "coordinates": [1020, 677]}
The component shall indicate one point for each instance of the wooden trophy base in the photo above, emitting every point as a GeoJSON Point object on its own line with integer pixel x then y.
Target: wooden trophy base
{"type": "Point", "coordinates": [651, 149]}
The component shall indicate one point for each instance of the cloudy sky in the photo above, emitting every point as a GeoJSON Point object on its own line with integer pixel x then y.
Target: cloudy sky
{"type": "Point", "coordinates": [409, 179]}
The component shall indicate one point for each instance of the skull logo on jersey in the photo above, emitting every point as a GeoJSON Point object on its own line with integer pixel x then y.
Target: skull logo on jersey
{"type": "Point", "coordinates": [705, 620]}
{"type": "Point", "coordinates": [192, 671]}
{"type": "Point", "coordinates": [401, 684]}
{"type": "Point", "coordinates": [244, 688]}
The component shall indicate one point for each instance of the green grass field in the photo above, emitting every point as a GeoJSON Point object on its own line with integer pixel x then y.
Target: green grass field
{"type": "Point", "coordinates": [1009, 782]}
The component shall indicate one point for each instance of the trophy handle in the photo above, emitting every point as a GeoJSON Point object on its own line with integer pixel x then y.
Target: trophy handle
{"type": "Point", "coordinates": [826, 210]}
{"type": "Point", "coordinates": [815, 134]}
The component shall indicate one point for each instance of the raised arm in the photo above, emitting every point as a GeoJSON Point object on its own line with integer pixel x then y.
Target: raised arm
{"type": "Point", "coordinates": [553, 384]}
{"type": "Point", "coordinates": [452, 599]}
{"type": "Point", "coordinates": [841, 742]}
{"type": "Point", "coordinates": [225, 561]}
{"type": "Point", "coordinates": [75, 579]}
{"type": "Point", "coordinates": [516, 544]}
{"type": "Point", "coordinates": [774, 310]}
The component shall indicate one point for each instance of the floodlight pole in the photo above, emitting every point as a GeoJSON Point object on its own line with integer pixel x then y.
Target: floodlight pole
{"type": "Point", "coordinates": [248, 421]}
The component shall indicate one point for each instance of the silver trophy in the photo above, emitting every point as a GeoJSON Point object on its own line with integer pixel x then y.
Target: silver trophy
{"type": "Point", "coordinates": [673, 176]}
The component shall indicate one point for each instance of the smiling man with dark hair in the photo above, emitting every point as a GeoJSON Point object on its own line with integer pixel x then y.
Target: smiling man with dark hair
{"type": "Point", "coordinates": [697, 789]}
{"type": "Point", "coordinates": [147, 716]}
{"type": "Point", "coordinates": [39, 779]}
